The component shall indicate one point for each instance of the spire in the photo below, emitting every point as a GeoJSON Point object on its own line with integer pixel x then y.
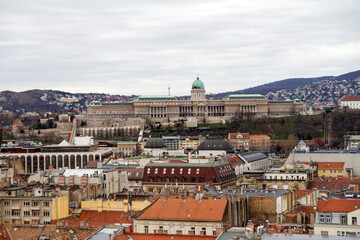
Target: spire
{"type": "Point", "coordinates": [169, 90]}
{"type": "Point", "coordinates": [197, 76]}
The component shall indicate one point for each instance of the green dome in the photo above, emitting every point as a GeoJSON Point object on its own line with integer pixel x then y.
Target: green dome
{"type": "Point", "coordinates": [198, 84]}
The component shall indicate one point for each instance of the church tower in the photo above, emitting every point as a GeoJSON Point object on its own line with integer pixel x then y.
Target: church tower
{"type": "Point", "coordinates": [198, 90]}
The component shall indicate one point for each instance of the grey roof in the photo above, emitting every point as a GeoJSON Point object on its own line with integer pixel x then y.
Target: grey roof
{"type": "Point", "coordinates": [230, 235]}
{"type": "Point", "coordinates": [216, 144]}
{"type": "Point", "coordinates": [209, 164]}
{"type": "Point", "coordinates": [155, 143]}
{"type": "Point", "coordinates": [266, 193]}
{"type": "Point", "coordinates": [247, 193]}
{"type": "Point", "coordinates": [253, 156]}
{"type": "Point", "coordinates": [300, 236]}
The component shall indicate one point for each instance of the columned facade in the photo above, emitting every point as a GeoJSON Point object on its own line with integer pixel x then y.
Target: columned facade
{"type": "Point", "coordinates": [34, 162]}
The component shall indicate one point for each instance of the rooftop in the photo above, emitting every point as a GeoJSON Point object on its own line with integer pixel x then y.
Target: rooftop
{"type": "Point", "coordinates": [350, 98]}
{"type": "Point", "coordinates": [338, 205]}
{"type": "Point", "coordinates": [330, 165]}
{"type": "Point", "coordinates": [186, 210]}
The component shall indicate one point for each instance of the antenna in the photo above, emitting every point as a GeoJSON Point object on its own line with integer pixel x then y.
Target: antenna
{"type": "Point", "coordinates": [169, 90]}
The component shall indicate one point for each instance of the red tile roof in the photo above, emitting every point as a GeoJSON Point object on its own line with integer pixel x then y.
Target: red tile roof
{"type": "Point", "coordinates": [330, 165]}
{"type": "Point", "coordinates": [187, 210]}
{"type": "Point", "coordinates": [234, 135]}
{"type": "Point", "coordinates": [104, 217]}
{"type": "Point", "coordinates": [302, 193]}
{"type": "Point", "coordinates": [338, 179]}
{"type": "Point", "coordinates": [134, 174]}
{"type": "Point", "coordinates": [338, 205]}
{"type": "Point", "coordinates": [138, 236]}
{"type": "Point", "coordinates": [350, 98]}
{"type": "Point", "coordinates": [16, 121]}
{"type": "Point", "coordinates": [259, 136]}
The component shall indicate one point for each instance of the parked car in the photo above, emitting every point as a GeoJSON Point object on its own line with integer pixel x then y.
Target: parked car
{"type": "Point", "coordinates": [358, 195]}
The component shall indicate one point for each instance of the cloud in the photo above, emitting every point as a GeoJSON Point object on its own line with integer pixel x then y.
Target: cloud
{"type": "Point", "coordinates": [139, 47]}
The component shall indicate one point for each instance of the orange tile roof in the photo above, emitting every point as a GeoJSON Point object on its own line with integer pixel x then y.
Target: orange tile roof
{"type": "Point", "coordinates": [259, 136]}
{"type": "Point", "coordinates": [234, 135]}
{"type": "Point", "coordinates": [16, 121]}
{"type": "Point", "coordinates": [138, 236]}
{"type": "Point", "coordinates": [187, 210]}
{"type": "Point", "coordinates": [330, 165]}
{"type": "Point", "coordinates": [107, 217]}
{"type": "Point", "coordinates": [338, 205]}
{"type": "Point", "coordinates": [350, 98]}
{"type": "Point", "coordinates": [338, 179]}
{"type": "Point", "coordinates": [302, 193]}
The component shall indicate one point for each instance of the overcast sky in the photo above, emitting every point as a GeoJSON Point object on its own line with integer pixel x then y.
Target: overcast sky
{"type": "Point", "coordinates": [140, 47]}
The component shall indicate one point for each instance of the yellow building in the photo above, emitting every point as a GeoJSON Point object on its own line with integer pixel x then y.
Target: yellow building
{"type": "Point", "coordinates": [113, 205]}
{"type": "Point", "coordinates": [33, 208]}
{"type": "Point", "coordinates": [190, 142]}
{"type": "Point", "coordinates": [331, 169]}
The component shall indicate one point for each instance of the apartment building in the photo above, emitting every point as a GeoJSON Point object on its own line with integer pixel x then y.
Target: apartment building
{"type": "Point", "coordinates": [183, 217]}
{"type": "Point", "coordinates": [34, 207]}
{"type": "Point", "coordinates": [338, 217]}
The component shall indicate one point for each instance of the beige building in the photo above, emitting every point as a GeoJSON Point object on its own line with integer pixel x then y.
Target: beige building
{"type": "Point", "coordinates": [127, 149]}
{"type": "Point", "coordinates": [34, 207]}
{"type": "Point", "coordinates": [338, 217]}
{"type": "Point", "coordinates": [190, 142]}
{"type": "Point", "coordinates": [183, 217]}
{"type": "Point", "coordinates": [165, 108]}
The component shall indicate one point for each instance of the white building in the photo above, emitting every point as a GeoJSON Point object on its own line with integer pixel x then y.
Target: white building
{"type": "Point", "coordinates": [349, 101]}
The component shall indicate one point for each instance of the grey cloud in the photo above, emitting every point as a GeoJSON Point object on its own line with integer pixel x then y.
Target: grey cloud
{"type": "Point", "coordinates": [139, 47]}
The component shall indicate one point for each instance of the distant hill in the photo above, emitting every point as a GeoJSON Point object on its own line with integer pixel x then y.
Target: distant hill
{"type": "Point", "coordinates": [314, 91]}
{"type": "Point", "coordinates": [290, 83]}
{"type": "Point", "coordinates": [28, 100]}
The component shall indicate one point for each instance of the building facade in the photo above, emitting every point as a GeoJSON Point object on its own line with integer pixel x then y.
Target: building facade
{"type": "Point", "coordinates": [165, 108]}
{"type": "Point", "coordinates": [159, 176]}
{"type": "Point", "coordinates": [350, 102]}
{"type": "Point", "coordinates": [338, 217]}
{"type": "Point", "coordinates": [34, 207]}
{"type": "Point", "coordinates": [183, 217]}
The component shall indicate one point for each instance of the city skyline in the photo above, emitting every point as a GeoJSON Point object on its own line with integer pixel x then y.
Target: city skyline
{"type": "Point", "coordinates": [105, 46]}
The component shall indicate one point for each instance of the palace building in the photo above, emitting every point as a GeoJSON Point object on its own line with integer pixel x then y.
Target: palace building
{"type": "Point", "coordinates": [164, 108]}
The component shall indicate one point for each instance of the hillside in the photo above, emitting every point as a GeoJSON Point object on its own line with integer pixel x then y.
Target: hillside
{"type": "Point", "coordinates": [314, 91]}
{"type": "Point", "coordinates": [290, 83]}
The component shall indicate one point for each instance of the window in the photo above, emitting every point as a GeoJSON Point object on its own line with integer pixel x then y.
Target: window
{"type": "Point", "coordinates": [26, 203]}
{"type": "Point", "coordinates": [197, 170]}
{"type": "Point", "coordinates": [354, 220]}
{"type": "Point", "coordinates": [7, 203]}
{"type": "Point", "coordinates": [189, 171]}
{"type": "Point", "coordinates": [161, 228]}
{"type": "Point", "coordinates": [46, 222]}
{"type": "Point", "coordinates": [156, 170]}
{"type": "Point", "coordinates": [148, 171]}
{"type": "Point", "coordinates": [46, 204]}
{"type": "Point", "coordinates": [26, 213]}
{"type": "Point", "coordinates": [36, 213]}
{"type": "Point", "coordinates": [46, 214]}
{"type": "Point", "coordinates": [172, 171]}
{"type": "Point", "coordinates": [164, 171]}
{"type": "Point", "coordinates": [321, 218]}
{"type": "Point", "coordinates": [146, 229]}
{"type": "Point", "coordinates": [343, 220]}
{"type": "Point", "coordinates": [193, 230]}
{"type": "Point", "coordinates": [36, 204]}
{"type": "Point", "coordinates": [328, 218]}
{"type": "Point", "coordinates": [7, 213]}
{"type": "Point", "coordinates": [181, 170]}
{"type": "Point", "coordinates": [16, 213]}
{"type": "Point", "coordinates": [203, 230]}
